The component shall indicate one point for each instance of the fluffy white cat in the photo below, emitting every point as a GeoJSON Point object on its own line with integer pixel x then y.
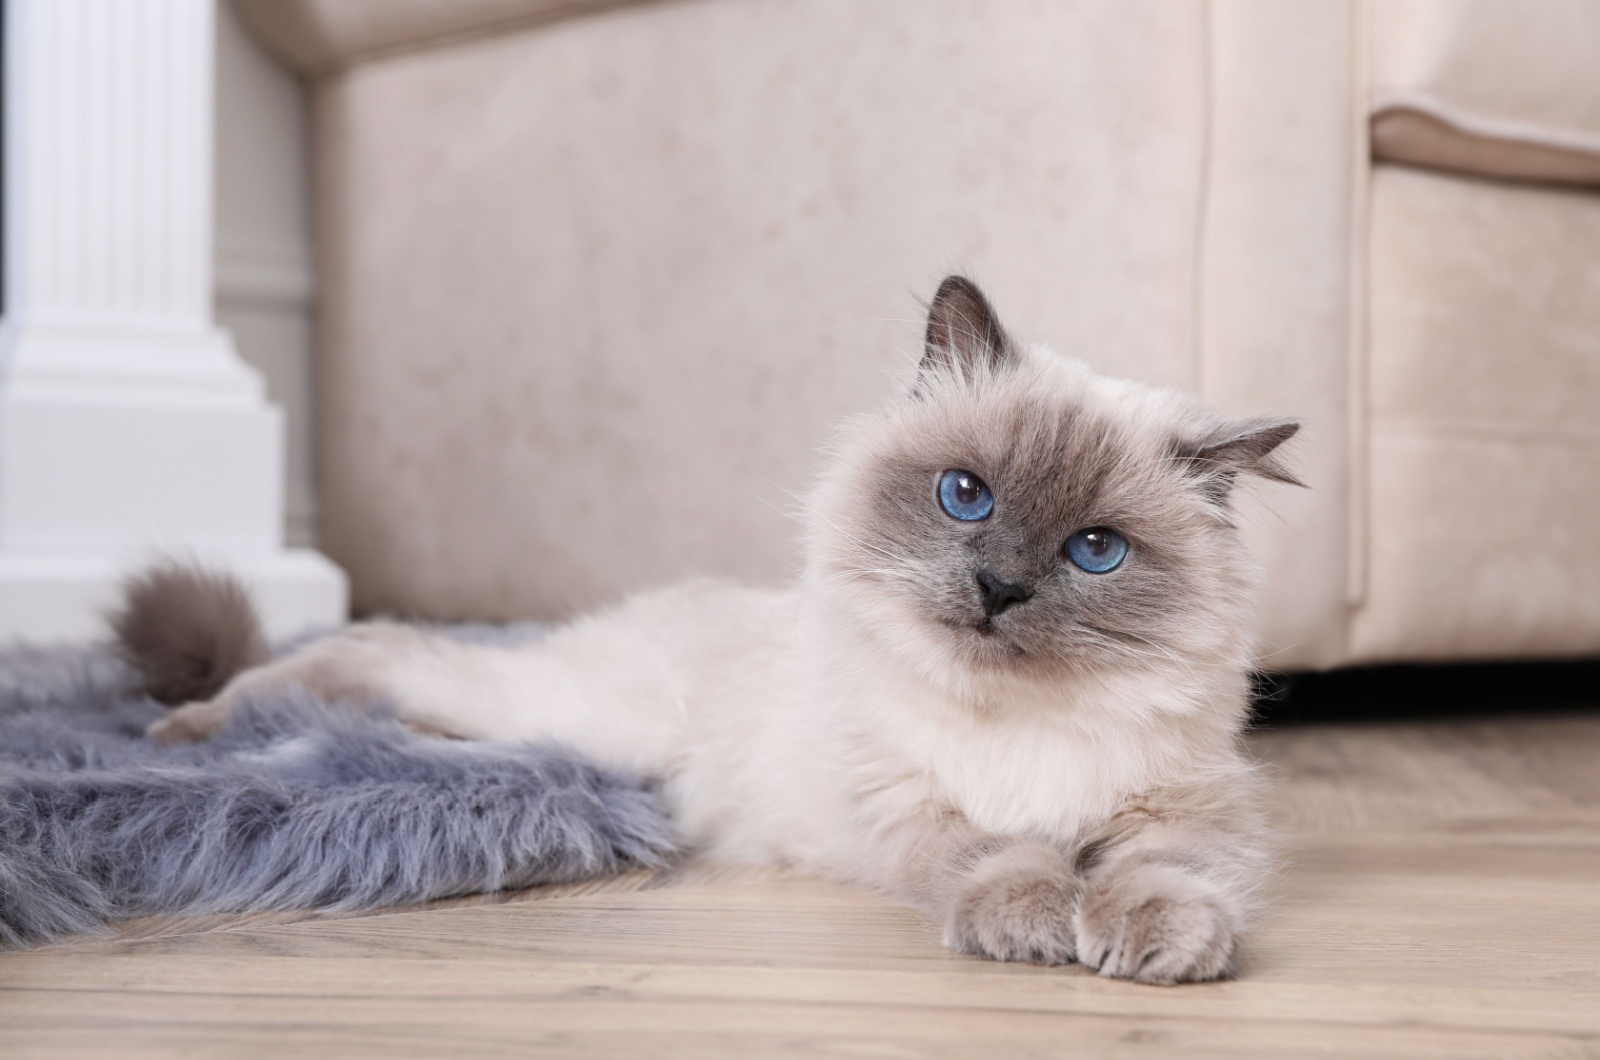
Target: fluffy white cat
{"type": "Point", "coordinates": [1009, 687]}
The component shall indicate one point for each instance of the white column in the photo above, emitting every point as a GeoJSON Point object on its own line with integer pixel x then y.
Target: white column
{"type": "Point", "coordinates": [128, 425]}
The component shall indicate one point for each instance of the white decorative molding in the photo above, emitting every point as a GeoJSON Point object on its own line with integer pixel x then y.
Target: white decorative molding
{"type": "Point", "coordinates": [128, 424]}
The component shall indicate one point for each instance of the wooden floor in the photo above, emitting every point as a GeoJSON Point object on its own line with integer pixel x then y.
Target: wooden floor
{"type": "Point", "coordinates": [1444, 901]}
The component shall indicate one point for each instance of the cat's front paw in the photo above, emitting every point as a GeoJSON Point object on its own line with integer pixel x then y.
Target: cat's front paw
{"type": "Point", "coordinates": [1016, 906]}
{"type": "Point", "coordinates": [1156, 924]}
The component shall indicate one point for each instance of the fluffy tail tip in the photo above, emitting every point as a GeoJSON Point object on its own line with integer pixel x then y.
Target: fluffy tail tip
{"type": "Point", "coordinates": [186, 631]}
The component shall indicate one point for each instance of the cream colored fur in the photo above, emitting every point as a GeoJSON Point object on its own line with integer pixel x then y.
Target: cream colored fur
{"type": "Point", "coordinates": [1047, 800]}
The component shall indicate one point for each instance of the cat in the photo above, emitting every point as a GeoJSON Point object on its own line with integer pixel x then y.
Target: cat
{"type": "Point", "coordinates": [1008, 688]}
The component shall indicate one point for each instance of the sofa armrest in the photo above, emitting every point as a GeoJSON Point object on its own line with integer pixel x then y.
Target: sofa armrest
{"type": "Point", "coordinates": [317, 36]}
{"type": "Point", "coordinates": [1488, 88]}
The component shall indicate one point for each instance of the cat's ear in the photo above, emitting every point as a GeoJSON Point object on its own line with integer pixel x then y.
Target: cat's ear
{"type": "Point", "coordinates": [1248, 446]}
{"type": "Point", "coordinates": [964, 336]}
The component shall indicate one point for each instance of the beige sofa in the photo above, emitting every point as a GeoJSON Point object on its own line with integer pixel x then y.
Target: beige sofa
{"type": "Point", "coordinates": [597, 277]}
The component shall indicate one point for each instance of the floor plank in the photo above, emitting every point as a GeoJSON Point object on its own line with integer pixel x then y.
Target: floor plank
{"type": "Point", "coordinates": [1443, 900]}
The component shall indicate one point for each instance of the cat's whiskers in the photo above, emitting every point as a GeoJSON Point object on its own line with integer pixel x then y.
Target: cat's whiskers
{"type": "Point", "coordinates": [886, 572]}
{"type": "Point", "coordinates": [1133, 646]}
{"type": "Point", "coordinates": [854, 539]}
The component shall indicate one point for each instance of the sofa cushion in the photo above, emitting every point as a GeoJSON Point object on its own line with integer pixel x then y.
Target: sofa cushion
{"type": "Point", "coordinates": [596, 293]}
{"type": "Point", "coordinates": [1483, 526]}
{"type": "Point", "coordinates": [1488, 87]}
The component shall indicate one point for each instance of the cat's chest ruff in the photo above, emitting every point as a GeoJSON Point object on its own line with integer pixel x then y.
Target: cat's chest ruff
{"type": "Point", "coordinates": [1022, 773]}
{"type": "Point", "coordinates": [1022, 780]}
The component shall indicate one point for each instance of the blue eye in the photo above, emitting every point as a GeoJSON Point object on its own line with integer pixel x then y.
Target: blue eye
{"type": "Point", "coordinates": [964, 496]}
{"type": "Point", "coordinates": [1098, 550]}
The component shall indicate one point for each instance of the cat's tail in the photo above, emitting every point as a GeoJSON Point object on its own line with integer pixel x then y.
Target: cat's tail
{"type": "Point", "coordinates": [187, 631]}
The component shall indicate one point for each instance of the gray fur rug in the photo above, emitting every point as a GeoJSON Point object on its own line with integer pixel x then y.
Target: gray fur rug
{"type": "Point", "coordinates": [294, 806]}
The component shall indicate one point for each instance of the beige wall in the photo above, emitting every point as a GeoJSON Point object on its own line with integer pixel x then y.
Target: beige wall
{"type": "Point", "coordinates": [264, 289]}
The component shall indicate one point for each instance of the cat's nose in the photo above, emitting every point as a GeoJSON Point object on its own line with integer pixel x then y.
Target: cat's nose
{"type": "Point", "coordinates": [999, 594]}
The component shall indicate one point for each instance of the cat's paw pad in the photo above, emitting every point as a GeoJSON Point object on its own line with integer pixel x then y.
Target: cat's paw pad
{"type": "Point", "coordinates": [1156, 927]}
{"type": "Point", "coordinates": [1016, 907]}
